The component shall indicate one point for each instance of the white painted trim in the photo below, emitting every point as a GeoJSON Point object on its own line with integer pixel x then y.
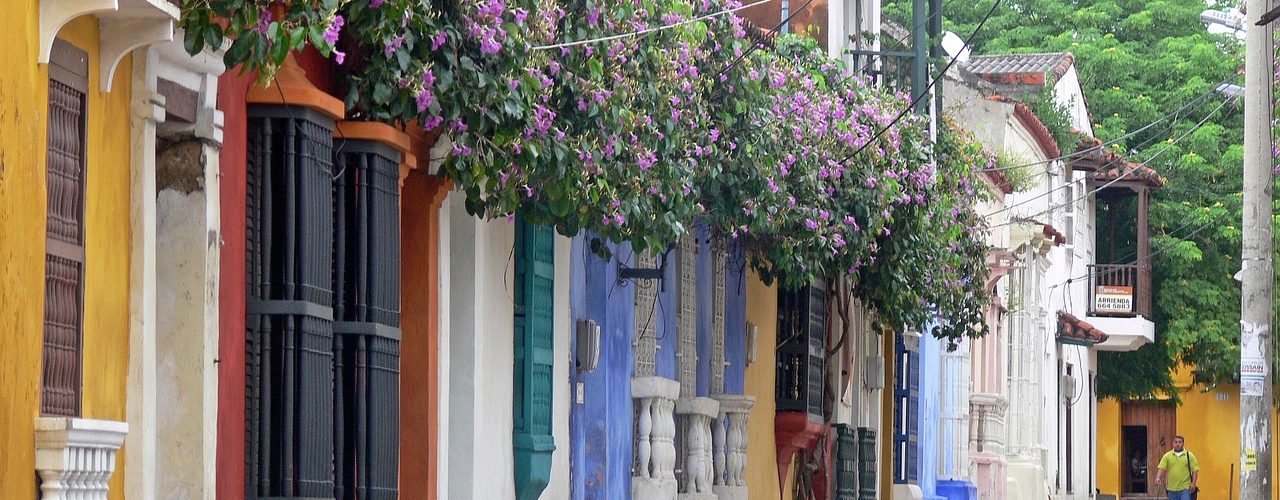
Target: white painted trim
{"type": "Point", "coordinates": [125, 25]}
{"type": "Point", "coordinates": [148, 109]}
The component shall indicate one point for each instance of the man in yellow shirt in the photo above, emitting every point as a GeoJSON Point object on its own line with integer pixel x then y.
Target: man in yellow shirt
{"type": "Point", "coordinates": [1182, 470]}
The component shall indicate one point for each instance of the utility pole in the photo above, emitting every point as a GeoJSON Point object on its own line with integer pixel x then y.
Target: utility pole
{"type": "Point", "coordinates": [1257, 295]}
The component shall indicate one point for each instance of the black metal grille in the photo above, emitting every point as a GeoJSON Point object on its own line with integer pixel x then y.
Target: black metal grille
{"type": "Point", "coordinates": [289, 337]}
{"type": "Point", "coordinates": [866, 464]}
{"type": "Point", "coordinates": [802, 325]}
{"type": "Point", "coordinates": [64, 231]}
{"type": "Point", "coordinates": [366, 269]}
{"type": "Point", "coordinates": [846, 463]}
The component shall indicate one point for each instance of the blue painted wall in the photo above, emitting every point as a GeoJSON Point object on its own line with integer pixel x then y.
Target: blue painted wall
{"type": "Point", "coordinates": [735, 317]}
{"type": "Point", "coordinates": [600, 427]}
{"type": "Point", "coordinates": [930, 400]}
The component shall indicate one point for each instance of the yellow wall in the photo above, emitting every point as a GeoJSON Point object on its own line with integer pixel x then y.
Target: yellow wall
{"type": "Point", "coordinates": [1210, 426]}
{"type": "Point", "coordinates": [1109, 447]}
{"type": "Point", "coordinates": [23, 110]}
{"type": "Point", "coordinates": [762, 457]}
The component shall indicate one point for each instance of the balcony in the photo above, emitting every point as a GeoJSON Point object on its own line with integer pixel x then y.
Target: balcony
{"type": "Point", "coordinates": [1120, 305]}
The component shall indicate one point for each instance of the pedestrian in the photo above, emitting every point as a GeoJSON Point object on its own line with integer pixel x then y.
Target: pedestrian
{"type": "Point", "coordinates": [1182, 469]}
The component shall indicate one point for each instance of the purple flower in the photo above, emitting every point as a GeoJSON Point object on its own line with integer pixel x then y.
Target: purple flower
{"type": "Point", "coordinates": [520, 15]}
{"type": "Point", "coordinates": [393, 45]}
{"type": "Point", "coordinates": [513, 84]}
{"type": "Point", "coordinates": [432, 122]}
{"type": "Point", "coordinates": [593, 16]}
{"type": "Point", "coordinates": [339, 56]}
{"type": "Point", "coordinates": [871, 182]}
{"type": "Point", "coordinates": [554, 67]}
{"type": "Point", "coordinates": [428, 78]}
{"type": "Point", "coordinates": [331, 33]}
{"type": "Point", "coordinates": [425, 99]}
{"type": "Point", "coordinates": [809, 223]}
{"type": "Point", "coordinates": [619, 220]}
{"type": "Point", "coordinates": [439, 40]}
{"type": "Point", "coordinates": [646, 160]}
{"type": "Point", "coordinates": [773, 186]}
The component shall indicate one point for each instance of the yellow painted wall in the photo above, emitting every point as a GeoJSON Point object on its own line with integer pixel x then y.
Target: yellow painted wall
{"type": "Point", "coordinates": [762, 457]}
{"type": "Point", "coordinates": [1210, 426]}
{"type": "Point", "coordinates": [1109, 472]}
{"type": "Point", "coordinates": [23, 115]}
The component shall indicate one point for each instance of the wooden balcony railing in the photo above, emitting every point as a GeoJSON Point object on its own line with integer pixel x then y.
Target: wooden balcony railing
{"type": "Point", "coordinates": [1120, 290]}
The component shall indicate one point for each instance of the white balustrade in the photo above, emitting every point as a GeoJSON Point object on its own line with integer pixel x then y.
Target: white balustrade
{"type": "Point", "coordinates": [75, 457]}
{"type": "Point", "coordinates": [653, 473]}
{"type": "Point", "coordinates": [731, 445]}
{"type": "Point", "coordinates": [697, 415]}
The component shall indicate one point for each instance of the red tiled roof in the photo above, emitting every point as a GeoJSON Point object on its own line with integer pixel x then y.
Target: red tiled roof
{"type": "Point", "coordinates": [1033, 124]}
{"type": "Point", "coordinates": [1021, 69]}
{"type": "Point", "coordinates": [1106, 166]}
{"type": "Point", "coordinates": [1000, 180]}
{"type": "Point", "coordinates": [1073, 330]}
{"type": "Point", "coordinates": [1052, 232]}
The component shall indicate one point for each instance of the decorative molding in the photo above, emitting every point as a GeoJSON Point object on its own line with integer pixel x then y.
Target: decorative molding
{"type": "Point", "coordinates": [54, 14]}
{"type": "Point", "coordinates": [121, 34]}
{"type": "Point", "coordinates": [75, 457]}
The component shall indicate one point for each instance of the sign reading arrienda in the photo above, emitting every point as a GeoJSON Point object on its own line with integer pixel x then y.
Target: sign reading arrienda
{"type": "Point", "coordinates": [1118, 299]}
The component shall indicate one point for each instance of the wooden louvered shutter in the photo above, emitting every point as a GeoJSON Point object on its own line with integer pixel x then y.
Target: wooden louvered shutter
{"type": "Point", "coordinates": [64, 232]}
{"type": "Point", "coordinates": [366, 342]}
{"type": "Point", "coordinates": [534, 332]}
{"type": "Point", "coordinates": [289, 338]}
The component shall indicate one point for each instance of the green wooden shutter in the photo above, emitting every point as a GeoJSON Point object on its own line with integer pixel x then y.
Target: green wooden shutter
{"type": "Point", "coordinates": [532, 389]}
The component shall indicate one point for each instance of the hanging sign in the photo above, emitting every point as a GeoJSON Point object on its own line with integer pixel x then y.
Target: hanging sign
{"type": "Point", "coordinates": [1107, 298]}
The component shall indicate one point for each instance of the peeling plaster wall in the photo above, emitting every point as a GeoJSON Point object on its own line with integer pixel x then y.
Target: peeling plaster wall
{"type": "Point", "coordinates": [186, 320]}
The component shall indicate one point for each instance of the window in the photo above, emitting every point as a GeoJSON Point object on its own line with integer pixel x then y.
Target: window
{"type": "Point", "coordinates": [366, 310]}
{"type": "Point", "coordinates": [289, 407]}
{"type": "Point", "coordinates": [323, 329]}
{"type": "Point", "coordinates": [64, 232]}
{"type": "Point", "coordinates": [802, 329]}
{"type": "Point", "coordinates": [906, 411]}
{"type": "Point", "coordinates": [1069, 212]}
{"type": "Point", "coordinates": [534, 334]}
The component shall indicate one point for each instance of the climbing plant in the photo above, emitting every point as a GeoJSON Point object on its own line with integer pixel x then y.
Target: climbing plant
{"type": "Point", "coordinates": [690, 115]}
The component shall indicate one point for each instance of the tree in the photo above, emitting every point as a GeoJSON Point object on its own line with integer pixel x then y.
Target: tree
{"type": "Point", "coordinates": [1138, 61]}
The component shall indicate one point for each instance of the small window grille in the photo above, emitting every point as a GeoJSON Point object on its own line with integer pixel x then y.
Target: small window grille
{"type": "Point", "coordinates": [64, 230]}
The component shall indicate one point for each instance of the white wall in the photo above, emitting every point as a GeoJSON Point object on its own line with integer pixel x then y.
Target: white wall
{"type": "Point", "coordinates": [477, 357]}
{"type": "Point", "coordinates": [481, 352]}
{"type": "Point", "coordinates": [1069, 93]}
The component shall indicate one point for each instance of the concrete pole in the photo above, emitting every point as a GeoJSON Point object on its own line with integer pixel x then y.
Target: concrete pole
{"type": "Point", "coordinates": [1256, 260]}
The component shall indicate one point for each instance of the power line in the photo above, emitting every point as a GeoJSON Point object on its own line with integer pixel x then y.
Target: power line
{"type": "Point", "coordinates": [968, 41]}
{"type": "Point", "coordinates": [648, 31]}
{"type": "Point", "coordinates": [1123, 174]}
{"type": "Point", "coordinates": [1174, 114]}
{"type": "Point", "coordinates": [1151, 255]}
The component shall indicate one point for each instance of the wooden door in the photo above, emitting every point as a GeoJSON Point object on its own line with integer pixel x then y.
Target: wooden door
{"type": "Point", "coordinates": [1160, 419]}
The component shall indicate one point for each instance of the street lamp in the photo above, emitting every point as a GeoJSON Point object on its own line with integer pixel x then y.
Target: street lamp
{"type": "Point", "coordinates": [1225, 22]}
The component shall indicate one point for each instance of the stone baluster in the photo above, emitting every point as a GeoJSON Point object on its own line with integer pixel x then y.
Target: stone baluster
{"type": "Point", "coordinates": [718, 446]}
{"type": "Point", "coordinates": [75, 457]}
{"type": "Point", "coordinates": [734, 410]}
{"type": "Point", "coordinates": [697, 416]}
{"type": "Point", "coordinates": [653, 475]}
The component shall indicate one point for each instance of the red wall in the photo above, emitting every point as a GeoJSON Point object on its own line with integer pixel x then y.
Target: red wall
{"type": "Point", "coordinates": [231, 285]}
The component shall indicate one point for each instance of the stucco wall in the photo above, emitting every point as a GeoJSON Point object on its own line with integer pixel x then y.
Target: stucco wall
{"type": "Point", "coordinates": [23, 117]}
{"type": "Point", "coordinates": [762, 457]}
{"type": "Point", "coordinates": [1210, 423]}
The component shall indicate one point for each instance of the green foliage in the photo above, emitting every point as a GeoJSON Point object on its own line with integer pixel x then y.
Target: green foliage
{"type": "Point", "coordinates": [636, 138]}
{"type": "Point", "coordinates": [1139, 60]}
